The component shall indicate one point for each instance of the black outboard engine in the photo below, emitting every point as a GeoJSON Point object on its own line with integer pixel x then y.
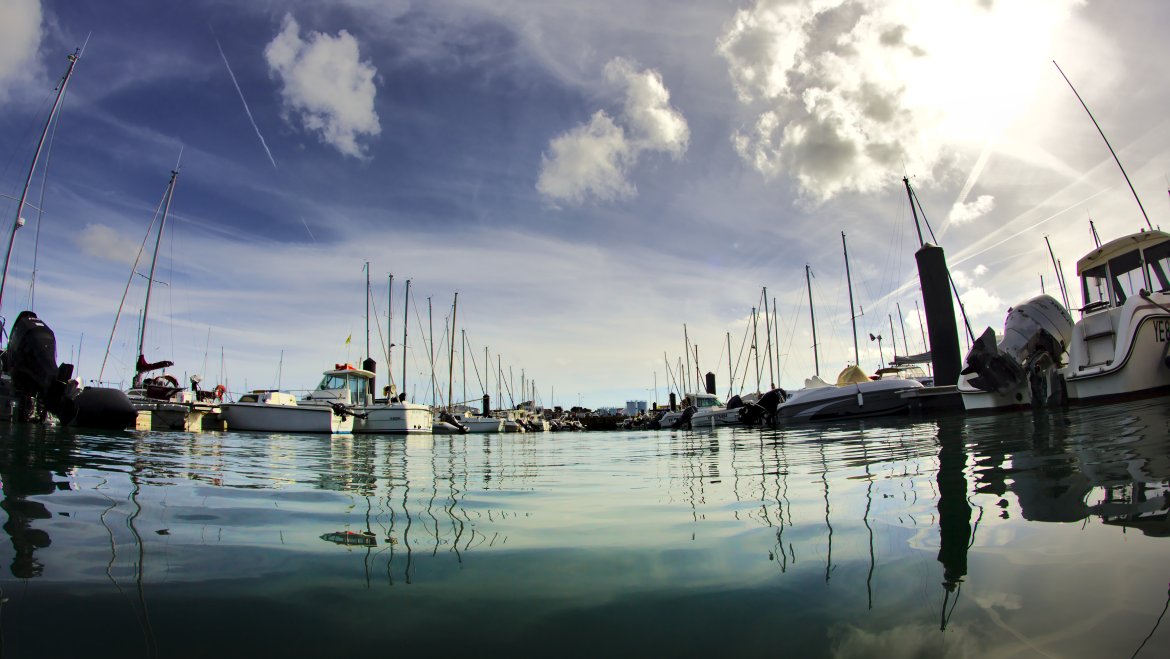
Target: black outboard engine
{"type": "Point", "coordinates": [685, 419]}
{"type": "Point", "coordinates": [446, 417]}
{"type": "Point", "coordinates": [38, 384]}
{"type": "Point", "coordinates": [763, 410]}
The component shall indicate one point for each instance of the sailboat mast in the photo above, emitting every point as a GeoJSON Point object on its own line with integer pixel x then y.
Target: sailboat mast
{"type": "Point", "coordinates": [776, 331]}
{"type": "Point", "coordinates": [768, 331]}
{"type": "Point", "coordinates": [852, 316]}
{"type": "Point", "coordinates": [451, 357]}
{"type": "Point", "coordinates": [405, 325]}
{"type": "Point", "coordinates": [389, 327]}
{"type": "Point", "coordinates": [153, 262]}
{"type": "Point", "coordinates": [687, 352]}
{"type": "Point", "coordinates": [32, 168]}
{"type": "Point", "coordinates": [730, 372]}
{"type": "Point", "coordinates": [367, 268]}
{"type": "Point", "coordinates": [812, 319]}
{"type": "Point", "coordinates": [756, 345]}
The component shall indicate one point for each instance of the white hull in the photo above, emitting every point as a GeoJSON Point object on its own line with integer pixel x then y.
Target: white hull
{"type": "Point", "coordinates": [1137, 365]}
{"type": "Point", "coordinates": [395, 419]}
{"type": "Point", "coordinates": [715, 418]}
{"type": "Point", "coordinates": [482, 424]}
{"type": "Point", "coordinates": [262, 417]}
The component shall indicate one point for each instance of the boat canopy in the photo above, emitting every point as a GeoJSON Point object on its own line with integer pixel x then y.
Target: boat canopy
{"type": "Point", "coordinates": [852, 375]}
{"type": "Point", "coordinates": [1119, 246]}
{"type": "Point", "coordinates": [907, 360]}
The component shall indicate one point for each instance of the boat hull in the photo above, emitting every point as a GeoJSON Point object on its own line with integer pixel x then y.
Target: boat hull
{"type": "Point", "coordinates": [1139, 372]}
{"type": "Point", "coordinates": [395, 419]}
{"type": "Point", "coordinates": [261, 417]}
{"type": "Point", "coordinates": [851, 401]}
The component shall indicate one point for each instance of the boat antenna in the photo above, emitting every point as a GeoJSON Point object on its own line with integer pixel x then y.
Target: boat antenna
{"type": "Point", "coordinates": [687, 352]}
{"type": "Point", "coordinates": [1059, 278]}
{"type": "Point", "coordinates": [367, 269]}
{"type": "Point", "coordinates": [1093, 230]}
{"type": "Point", "coordinates": [1111, 151]}
{"type": "Point", "coordinates": [902, 323]}
{"type": "Point", "coordinates": [17, 221]}
{"type": "Point", "coordinates": [812, 320]}
{"type": "Point", "coordinates": [852, 316]}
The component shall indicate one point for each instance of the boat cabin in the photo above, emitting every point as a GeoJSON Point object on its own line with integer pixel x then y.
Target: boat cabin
{"type": "Point", "coordinates": [343, 384]}
{"type": "Point", "coordinates": [1119, 269]}
{"type": "Point", "coordinates": [1112, 277]}
{"type": "Point", "coordinates": [702, 400]}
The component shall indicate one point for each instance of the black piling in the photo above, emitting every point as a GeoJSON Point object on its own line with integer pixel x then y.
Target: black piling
{"type": "Point", "coordinates": [940, 314]}
{"type": "Point", "coordinates": [710, 383]}
{"type": "Point", "coordinates": [371, 366]}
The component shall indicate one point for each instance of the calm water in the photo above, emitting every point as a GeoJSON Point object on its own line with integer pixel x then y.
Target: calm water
{"type": "Point", "coordinates": [1012, 536]}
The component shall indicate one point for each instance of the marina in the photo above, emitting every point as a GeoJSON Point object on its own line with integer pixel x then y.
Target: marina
{"type": "Point", "coordinates": [1015, 534]}
{"type": "Point", "coordinates": [249, 461]}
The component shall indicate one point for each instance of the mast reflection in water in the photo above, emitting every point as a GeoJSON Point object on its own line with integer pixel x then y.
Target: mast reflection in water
{"type": "Point", "coordinates": [1047, 533]}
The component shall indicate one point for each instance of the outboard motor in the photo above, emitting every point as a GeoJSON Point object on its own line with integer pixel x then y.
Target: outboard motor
{"type": "Point", "coordinates": [1035, 335]}
{"type": "Point", "coordinates": [38, 383]}
{"type": "Point", "coordinates": [763, 410]}
{"type": "Point", "coordinates": [446, 417]}
{"type": "Point", "coordinates": [685, 419]}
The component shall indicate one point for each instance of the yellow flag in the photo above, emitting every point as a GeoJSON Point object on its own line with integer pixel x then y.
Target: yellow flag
{"type": "Point", "coordinates": [348, 338]}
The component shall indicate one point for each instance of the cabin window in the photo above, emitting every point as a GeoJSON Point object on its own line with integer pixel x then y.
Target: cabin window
{"type": "Point", "coordinates": [1095, 290]}
{"type": "Point", "coordinates": [1128, 278]}
{"type": "Point", "coordinates": [332, 382]}
{"type": "Point", "coordinates": [1158, 260]}
{"type": "Point", "coordinates": [357, 390]}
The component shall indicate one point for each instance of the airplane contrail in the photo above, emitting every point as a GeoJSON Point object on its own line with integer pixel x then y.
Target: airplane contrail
{"type": "Point", "coordinates": [244, 101]}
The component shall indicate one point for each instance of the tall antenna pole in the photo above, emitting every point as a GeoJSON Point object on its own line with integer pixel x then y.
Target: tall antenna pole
{"type": "Point", "coordinates": [812, 320]}
{"type": "Point", "coordinates": [1111, 151]}
{"type": "Point", "coordinates": [730, 373]}
{"type": "Point", "coordinates": [1093, 230]}
{"type": "Point", "coordinates": [687, 352]}
{"type": "Point", "coordinates": [852, 317]}
{"type": "Point", "coordinates": [16, 222]}
{"type": "Point", "coordinates": [389, 328]}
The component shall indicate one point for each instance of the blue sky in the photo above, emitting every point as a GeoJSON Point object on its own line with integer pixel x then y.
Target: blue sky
{"type": "Point", "coordinates": [588, 176]}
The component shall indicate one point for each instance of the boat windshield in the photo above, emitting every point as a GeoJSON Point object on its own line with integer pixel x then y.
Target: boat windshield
{"type": "Point", "coordinates": [1158, 260]}
{"type": "Point", "coordinates": [1128, 277]}
{"type": "Point", "coordinates": [355, 385]}
{"type": "Point", "coordinates": [706, 401]}
{"type": "Point", "coordinates": [1095, 290]}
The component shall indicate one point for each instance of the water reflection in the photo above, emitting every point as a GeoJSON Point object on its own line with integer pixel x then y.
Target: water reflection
{"type": "Point", "coordinates": [671, 543]}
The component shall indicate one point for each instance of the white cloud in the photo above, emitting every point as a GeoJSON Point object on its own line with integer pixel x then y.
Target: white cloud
{"type": "Point", "coordinates": [962, 213]}
{"type": "Point", "coordinates": [647, 111]}
{"type": "Point", "coordinates": [589, 160]}
{"type": "Point", "coordinates": [593, 160]}
{"type": "Point", "coordinates": [326, 85]}
{"type": "Point", "coordinates": [103, 242]}
{"type": "Point", "coordinates": [843, 94]}
{"type": "Point", "coordinates": [20, 37]}
{"type": "Point", "coordinates": [980, 270]}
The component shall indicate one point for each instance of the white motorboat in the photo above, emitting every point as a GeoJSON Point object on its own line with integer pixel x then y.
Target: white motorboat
{"type": "Point", "coordinates": [481, 423]}
{"type": "Point", "coordinates": [278, 411]}
{"type": "Point", "coordinates": [349, 386]}
{"type": "Point", "coordinates": [1119, 346]}
{"type": "Point", "coordinates": [854, 396]}
{"type": "Point", "coordinates": [1022, 367]}
{"type": "Point", "coordinates": [706, 407]}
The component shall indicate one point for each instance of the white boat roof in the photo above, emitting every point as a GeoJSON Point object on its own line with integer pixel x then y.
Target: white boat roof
{"type": "Point", "coordinates": [369, 375]}
{"type": "Point", "coordinates": [1120, 246]}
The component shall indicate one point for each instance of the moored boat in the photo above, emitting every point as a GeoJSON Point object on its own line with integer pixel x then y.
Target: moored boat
{"type": "Point", "coordinates": [1119, 346]}
{"type": "Point", "coordinates": [278, 411]}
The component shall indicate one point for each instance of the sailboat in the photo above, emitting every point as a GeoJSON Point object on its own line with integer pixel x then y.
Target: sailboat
{"type": "Point", "coordinates": [162, 402]}
{"type": "Point", "coordinates": [854, 395]}
{"type": "Point", "coordinates": [31, 382]}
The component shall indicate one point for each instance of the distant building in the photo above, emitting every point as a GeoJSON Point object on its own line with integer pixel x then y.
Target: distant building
{"type": "Point", "coordinates": [634, 407]}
